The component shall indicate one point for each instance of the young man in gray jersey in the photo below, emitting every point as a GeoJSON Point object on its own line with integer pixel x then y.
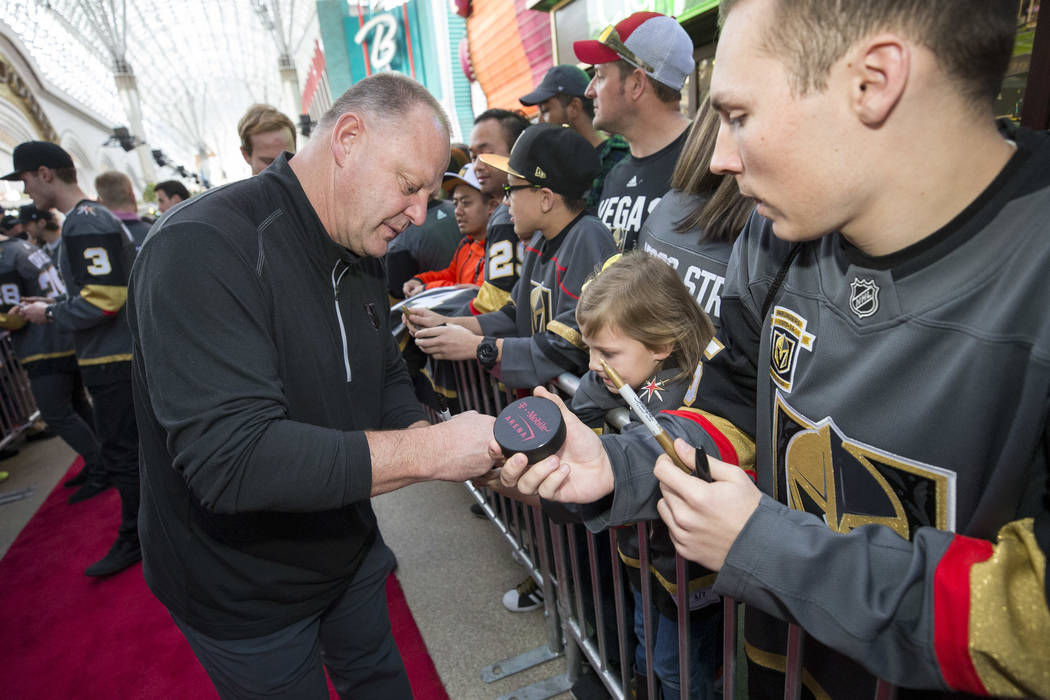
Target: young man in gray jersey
{"type": "Point", "coordinates": [882, 364]}
{"type": "Point", "coordinates": [95, 260]}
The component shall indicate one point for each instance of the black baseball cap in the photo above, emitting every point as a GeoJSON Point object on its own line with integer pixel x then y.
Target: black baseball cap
{"type": "Point", "coordinates": [31, 155]}
{"type": "Point", "coordinates": [560, 80]}
{"type": "Point", "coordinates": [9, 222]}
{"type": "Point", "coordinates": [29, 212]}
{"type": "Point", "coordinates": [551, 156]}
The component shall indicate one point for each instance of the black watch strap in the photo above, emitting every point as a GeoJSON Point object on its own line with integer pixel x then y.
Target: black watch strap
{"type": "Point", "coordinates": [487, 352]}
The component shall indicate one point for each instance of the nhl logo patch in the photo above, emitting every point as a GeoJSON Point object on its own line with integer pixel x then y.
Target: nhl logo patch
{"type": "Point", "coordinates": [864, 297]}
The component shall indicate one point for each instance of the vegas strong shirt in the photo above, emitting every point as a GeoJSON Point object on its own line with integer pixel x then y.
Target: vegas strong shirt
{"type": "Point", "coordinates": [633, 188]}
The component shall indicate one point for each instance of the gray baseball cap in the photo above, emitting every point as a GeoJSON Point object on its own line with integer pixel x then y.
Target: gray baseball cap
{"type": "Point", "coordinates": [651, 41]}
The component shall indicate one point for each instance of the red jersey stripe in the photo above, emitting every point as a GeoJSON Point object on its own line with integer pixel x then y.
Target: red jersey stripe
{"type": "Point", "coordinates": [726, 451]}
{"type": "Point", "coordinates": [951, 613]}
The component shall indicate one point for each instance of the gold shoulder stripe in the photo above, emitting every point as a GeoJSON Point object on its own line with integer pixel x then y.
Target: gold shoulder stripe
{"type": "Point", "coordinates": [89, 361]}
{"type": "Point", "coordinates": [1009, 622]}
{"type": "Point", "coordinates": [778, 662]}
{"type": "Point", "coordinates": [490, 298]}
{"type": "Point", "coordinates": [106, 297]}
{"type": "Point", "coordinates": [568, 332]}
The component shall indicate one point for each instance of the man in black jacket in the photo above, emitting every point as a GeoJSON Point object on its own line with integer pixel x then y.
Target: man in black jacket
{"type": "Point", "coordinates": [273, 403]}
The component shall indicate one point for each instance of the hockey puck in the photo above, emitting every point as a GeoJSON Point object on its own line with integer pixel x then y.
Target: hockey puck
{"type": "Point", "coordinates": [531, 425]}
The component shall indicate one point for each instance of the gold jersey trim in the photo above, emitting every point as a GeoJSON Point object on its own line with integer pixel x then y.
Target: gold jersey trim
{"type": "Point", "coordinates": [490, 298]}
{"type": "Point", "coordinates": [742, 443]}
{"type": "Point", "coordinates": [47, 356]}
{"type": "Point", "coordinates": [568, 333]}
{"type": "Point", "coordinates": [89, 361]}
{"type": "Point", "coordinates": [447, 393]}
{"type": "Point", "coordinates": [109, 298]}
{"type": "Point", "coordinates": [1009, 624]}
{"type": "Point", "coordinates": [12, 322]}
{"type": "Point", "coordinates": [778, 662]}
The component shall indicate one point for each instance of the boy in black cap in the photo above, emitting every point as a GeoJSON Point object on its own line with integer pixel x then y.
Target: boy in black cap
{"type": "Point", "coordinates": [534, 338]}
{"type": "Point", "coordinates": [95, 261]}
{"type": "Point", "coordinates": [11, 227]}
{"type": "Point", "coordinates": [561, 97]}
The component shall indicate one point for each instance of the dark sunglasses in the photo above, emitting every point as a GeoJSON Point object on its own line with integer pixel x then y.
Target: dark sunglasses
{"type": "Point", "coordinates": [507, 189]}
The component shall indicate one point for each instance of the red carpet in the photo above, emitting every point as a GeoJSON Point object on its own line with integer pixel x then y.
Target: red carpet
{"type": "Point", "coordinates": [66, 635]}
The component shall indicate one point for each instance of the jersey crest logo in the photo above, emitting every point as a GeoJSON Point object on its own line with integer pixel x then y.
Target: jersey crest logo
{"type": "Point", "coordinates": [788, 338]}
{"type": "Point", "coordinates": [540, 303]}
{"type": "Point", "coordinates": [864, 297]}
{"type": "Point", "coordinates": [633, 182]}
{"type": "Point", "coordinates": [651, 388]}
{"type": "Point", "coordinates": [847, 483]}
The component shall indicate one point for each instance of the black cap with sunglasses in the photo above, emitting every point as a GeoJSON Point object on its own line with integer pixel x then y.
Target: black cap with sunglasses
{"type": "Point", "coordinates": [551, 156]}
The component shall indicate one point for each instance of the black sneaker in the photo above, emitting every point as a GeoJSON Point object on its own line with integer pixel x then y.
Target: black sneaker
{"type": "Point", "coordinates": [77, 479]}
{"type": "Point", "coordinates": [120, 556]}
{"type": "Point", "coordinates": [93, 487]}
{"type": "Point", "coordinates": [524, 597]}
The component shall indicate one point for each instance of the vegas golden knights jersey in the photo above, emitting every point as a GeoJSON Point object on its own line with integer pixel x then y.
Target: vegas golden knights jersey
{"type": "Point", "coordinates": [896, 413]}
{"type": "Point", "coordinates": [95, 261]}
{"type": "Point", "coordinates": [27, 271]}
{"type": "Point", "coordinates": [541, 338]}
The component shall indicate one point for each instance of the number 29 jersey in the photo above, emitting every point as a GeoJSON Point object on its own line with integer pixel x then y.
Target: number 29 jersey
{"type": "Point", "coordinates": [27, 271]}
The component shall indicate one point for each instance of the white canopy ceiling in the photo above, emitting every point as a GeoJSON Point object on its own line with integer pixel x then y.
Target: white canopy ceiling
{"type": "Point", "coordinates": [199, 63]}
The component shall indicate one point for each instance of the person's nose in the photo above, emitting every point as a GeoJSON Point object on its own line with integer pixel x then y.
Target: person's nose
{"type": "Point", "coordinates": [417, 209]}
{"type": "Point", "coordinates": [594, 362]}
{"type": "Point", "coordinates": [590, 92]}
{"type": "Point", "coordinates": [725, 160]}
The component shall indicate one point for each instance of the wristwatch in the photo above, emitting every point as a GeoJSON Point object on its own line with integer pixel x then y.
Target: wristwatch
{"type": "Point", "coordinates": [49, 313]}
{"type": "Point", "coordinates": [488, 353]}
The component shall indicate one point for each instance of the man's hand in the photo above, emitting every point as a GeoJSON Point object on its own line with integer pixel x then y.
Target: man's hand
{"type": "Point", "coordinates": [417, 319]}
{"type": "Point", "coordinates": [448, 342]}
{"type": "Point", "coordinates": [412, 287]}
{"type": "Point", "coordinates": [34, 311]}
{"type": "Point", "coordinates": [704, 519]}
{"type": "Point", "coordinates": [579, 472]}
{"type": "Point", "coordinates": [466, 436]}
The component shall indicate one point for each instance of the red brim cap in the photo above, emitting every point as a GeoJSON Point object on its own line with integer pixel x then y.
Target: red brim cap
{"type": "Point", "coordinates": [593, 52]}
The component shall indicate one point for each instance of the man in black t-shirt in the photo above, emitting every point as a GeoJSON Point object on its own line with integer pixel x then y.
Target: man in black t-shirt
{"type": "Point", "coordinates": [640, 66]}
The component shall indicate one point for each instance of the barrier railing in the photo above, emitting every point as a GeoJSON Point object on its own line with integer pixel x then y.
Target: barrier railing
{"type": "Point", "coordinates": [577, 575]}
{"type": "Point", "coordinates": [18, 410]}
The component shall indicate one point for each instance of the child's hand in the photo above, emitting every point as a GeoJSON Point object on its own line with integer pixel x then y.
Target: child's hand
{"type": "Point", "coordinates": [579, 472]}
{"type": "Point", "coordinates": [704, 519]}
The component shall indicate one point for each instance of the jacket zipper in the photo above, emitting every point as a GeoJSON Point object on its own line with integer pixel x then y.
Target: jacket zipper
{"type": "Point", "coordinates": [339, 315]}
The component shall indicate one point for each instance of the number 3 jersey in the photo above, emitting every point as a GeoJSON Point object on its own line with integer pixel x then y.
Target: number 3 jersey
{"type": "Point", "coordinates": [95, 261]}
{"type": "Point", "coordinates": [27, 271]}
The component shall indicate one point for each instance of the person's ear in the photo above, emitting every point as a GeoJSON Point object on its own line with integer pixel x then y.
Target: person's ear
{"type": "Point", "coordinates": [547, 200]}
{"type": "Point", "coordinates": [663, 353]}
{"type": "Point", "coordinates": [347, 133]}
{"type": "Point", "coordinates": [635, 84]}
{"type": "Point", "coordinates": [573, 109]}
{"type": "Point", "coordinates": [244, 154]}
{"type": "Point", "coordinates": [878, 75]}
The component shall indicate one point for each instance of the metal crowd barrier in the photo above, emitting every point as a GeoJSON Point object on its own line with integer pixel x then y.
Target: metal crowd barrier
{"type": "Point", "coordinates": [18, 410]}
{"type": "Point", "coordinates": [575, 605]}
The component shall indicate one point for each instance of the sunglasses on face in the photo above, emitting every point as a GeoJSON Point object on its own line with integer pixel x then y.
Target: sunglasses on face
{"type": "Point", "coordinates": [507, 189]}
{"type": "Point", "coordinates": [611, 38]}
